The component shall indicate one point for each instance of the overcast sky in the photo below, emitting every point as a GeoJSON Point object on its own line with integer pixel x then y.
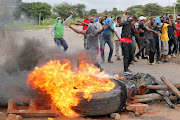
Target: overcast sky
{"type": "Point", "coordinates": [102, 5]}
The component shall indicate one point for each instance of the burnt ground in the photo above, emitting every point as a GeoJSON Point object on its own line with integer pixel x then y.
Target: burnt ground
{"type": "Point", "coordinates": [157, 111]}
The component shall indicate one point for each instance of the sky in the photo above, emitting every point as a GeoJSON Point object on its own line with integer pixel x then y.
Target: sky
{"type": "Point", "coordinates": [102, 5]}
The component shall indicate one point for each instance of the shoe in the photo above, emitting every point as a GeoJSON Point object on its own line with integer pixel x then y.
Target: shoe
{"type": "Point", "coordinates": [169, 56]}
{"type": "Point", "coordinates": [135, 60]}
{"type": "Point", "coordinates": [151, 63]}
{"type": "Point", "coordinates": [165, 61]}
{"type": "Point", "coordinates": [126, 73]}
{"type": "Point", "coordinates": [110, 62]}
{"type": "Point", "coordinates": [146, 57]}
{"type": "Point", "coordinates": [137, 56]}
{"type": "Point", "coordinates": [173, 55]}
{"type": "Point", "coordinates": [119, 59]}
{"type": "Point", "coordinates": [102, 61]}
{"type": "Point", "coordinates": [158, 62]}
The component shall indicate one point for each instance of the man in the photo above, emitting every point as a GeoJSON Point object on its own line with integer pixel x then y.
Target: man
{"type": "Point", "coordinates": [150, 30]}
{"type": "Point", "coordinates": [106, 38]}
{"type": "Point", "coordinates": [178, 32]}
{"type": "Point", "coordinates": [58, 32]}
{"type": "Point", "coordinates": [117, 37]}
{"type": "Point", "coordinates": [92, 41]}
{"type": "Point", "coordinates": [165, 38]}
{"type": "Point", "coordinates": [157, 40]}
{"type": "Point", "coordinates": [126, 42]}
{"type": "Point", "coordinates": [85, 26]}
{"type": "Point", "coordinates": [144, 43]}
{"type": "Point", "coordinates": [172, 38]}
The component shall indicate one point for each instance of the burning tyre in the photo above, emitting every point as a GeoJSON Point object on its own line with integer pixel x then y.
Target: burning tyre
{"type": "Point", "coordinates": [104, 103]}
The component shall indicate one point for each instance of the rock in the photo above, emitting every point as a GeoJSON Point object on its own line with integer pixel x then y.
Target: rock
{"type": "Point", "coordinates": [14, 117]}
{"type": "Point", "coordinates": [115, 116]}
{"type": "Point", "coordinates": [138, 108]}
{"type": "Point", "coordinates": [2, 116]}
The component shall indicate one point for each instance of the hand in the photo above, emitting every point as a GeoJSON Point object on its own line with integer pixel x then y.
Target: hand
{"type": "Point", "coordinates": [55, 39]}
{"type": "Point", "coordinates": [71, 12]}
{"type": "Point", "coordinates": [69, 26]}
{"type": "Point", "coordinates": [78, 21]}
{"type": "Point", "coordinates": [104, 27]}
{"type": "Point", "coordinates": [128, 10]}
{"type": "Point", "coordinates": [156, 33]}
{"type": "Point", "coordinates": [119, 39]}
{"type": "Point", "coordinates": [109, 25]}
{"type": "Point", "coordinates": [149, 13]}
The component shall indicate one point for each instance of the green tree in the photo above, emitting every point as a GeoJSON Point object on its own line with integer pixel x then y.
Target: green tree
{"type": "Point", "coordinates": [32, 10]}
{"type": "Point", "coordinates": [154, 8]}
{"type": "Point", "coordinates": [80, 9]}
{"type": "Point", "coordinates": [93, 12]}
{"type": "Point", "coordinates": [63, 9]}
{"type": "Point", "coordinates": [178, 5]}
{"type": "Point", "coordinates": [115, 12]}
{"type": "Point", "coordinates": [135, 8]}
{"type": "Point", "coordinates": [106, 12]}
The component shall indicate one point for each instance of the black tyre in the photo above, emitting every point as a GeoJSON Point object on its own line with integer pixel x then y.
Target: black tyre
{"type": "Point", "coordinates": [104, 103]}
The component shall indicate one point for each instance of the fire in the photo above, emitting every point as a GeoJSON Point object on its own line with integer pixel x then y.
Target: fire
{"type": "Point", "coordinates": [116, 76]}
{"type": "Point", "coordinates": [63, 83]}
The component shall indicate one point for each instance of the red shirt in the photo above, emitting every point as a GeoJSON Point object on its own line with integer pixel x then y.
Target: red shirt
{"type": "Point", "coordinates": [178, 31]}
{"type": "Point", "coordinates": [126, 40]}
{"type": "Point", "coordinates": [84, 26]}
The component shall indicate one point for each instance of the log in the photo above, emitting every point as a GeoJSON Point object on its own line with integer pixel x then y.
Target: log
{"type": "Point", "coordinates": [151, 97]}
{"type": "Point", "coordinates": [160, 87]}
{"type": "Point", "coordinates": [171, 86]}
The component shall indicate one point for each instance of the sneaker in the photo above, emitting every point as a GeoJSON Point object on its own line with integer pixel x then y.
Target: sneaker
{"type": "Point", "coordinates": [110, 62]}
{"type": "Point", "coordinates": [119, 59]}
{"type": "Point", "coordinates": [127, 73]}
{"type": "Point", "coordinates": [158, 62]}
{"type": "Point", "coordinates": [151, 63]}
{"type": "Point", "coordinates": [147, 57]}
{"type": "Point", "coordinates": [173, 55]}
{"type": "Point", "coordinates": [169, 56]}
{"type": "Point", "coordinates": [135, 60]}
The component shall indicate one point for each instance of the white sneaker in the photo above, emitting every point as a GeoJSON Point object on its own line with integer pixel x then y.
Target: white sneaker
{"type": "Point", "coordinates": [173, 55]}
{"type": "Point", "coordinates": [151, 63]}
{"type": "Point", "coordinates": [169, 56]}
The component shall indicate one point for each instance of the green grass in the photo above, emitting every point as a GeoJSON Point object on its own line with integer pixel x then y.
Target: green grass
{"type": "Point", "coordinates": [24, 26]}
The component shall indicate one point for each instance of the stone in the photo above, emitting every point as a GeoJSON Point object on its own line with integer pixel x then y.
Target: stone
{"type": "Point", "coordinates": [14, 117]}
{"type": "Point", "coordinates": [138, 108]}
{"type": "Point", "coordinates": [115, 116]}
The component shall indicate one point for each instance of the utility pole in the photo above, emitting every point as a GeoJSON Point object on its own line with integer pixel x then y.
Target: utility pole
{"type": "Point", "coordinates": [39, 18]}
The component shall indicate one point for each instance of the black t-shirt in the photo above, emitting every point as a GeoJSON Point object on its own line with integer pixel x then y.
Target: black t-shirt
{"type": "Point", "coordinates": [141, 25]}
{"type": "Point", "coordinates": [171, 30]}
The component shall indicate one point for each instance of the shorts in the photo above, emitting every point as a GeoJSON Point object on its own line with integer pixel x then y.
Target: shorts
{"type": "Point", "coordinates": [165, 48]}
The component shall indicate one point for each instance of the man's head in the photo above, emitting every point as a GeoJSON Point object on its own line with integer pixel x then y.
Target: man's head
{"type": "Point", "coordinates": [142, 18]}
{"type": "Point", "coordinates": [152, 20]}
{"type": "Point", "coordinates": [178, 19]}
{"type": "Point", "coordinates": [131, 18]}
{"type": "Point", "coordinates": [164, 19]}
{"type": "Point", "coordinates": [92, 20]}
{"type": "Point", "coordinates": [119, 20]}
{"type": "Point", "coordinates": [136, 17]}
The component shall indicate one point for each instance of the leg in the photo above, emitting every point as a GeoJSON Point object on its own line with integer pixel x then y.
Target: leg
{"type": "Point", "coordinates": [64, 44]}
{"type": "Point", "coordinates": [131, 55]}
{"type": "Point", "coordinates": [147, 47]}
{"type": "Point", "coordinates": [125, 49]}
{"type": "Point", "coordinates": [137, 41]}
{"type": "Point", "coordinates": [85, 42]}
{"type": "Point", "coordinates": [111, 46]}
{"type": "Point", "coordinates": [142, 46]}
{"type": "Point", "coordinates": [117, 45]}
{"type": "Point", "coordinates": [170, 46]}
{"type": "Point", "coordinates": [102, 42]}
{"type": "Point", "coordinates": [58, 42]}
{"type": "Point", "coordinates": [158, 49]}
{"type": "Point", "coordinates": [152, 51]}
{"type": "Point", "coordinates": [175, 44]}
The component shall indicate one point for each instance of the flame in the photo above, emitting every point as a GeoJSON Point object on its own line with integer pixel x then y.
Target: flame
{"type": "Point", "coordinates": [63, 83]}
{"type": "Point", "coordinates": [116, 76]}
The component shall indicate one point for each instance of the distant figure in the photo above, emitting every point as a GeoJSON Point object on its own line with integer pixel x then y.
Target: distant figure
{"type": "Point", "coordinates": [58, 32]}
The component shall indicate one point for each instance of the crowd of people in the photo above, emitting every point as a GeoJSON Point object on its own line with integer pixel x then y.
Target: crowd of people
{"type": "Point", "coordinates": [152, 36]}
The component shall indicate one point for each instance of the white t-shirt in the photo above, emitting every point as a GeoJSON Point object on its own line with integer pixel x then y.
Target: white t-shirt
{"type": "Point", "coordinates": [118, 30]}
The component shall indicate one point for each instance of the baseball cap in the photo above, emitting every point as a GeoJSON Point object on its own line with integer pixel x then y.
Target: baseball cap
{"type": "Point", "coordinates": [142, 18]}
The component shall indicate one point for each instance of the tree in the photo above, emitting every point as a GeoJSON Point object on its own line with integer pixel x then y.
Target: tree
{"type": "Point", "coordinates": [93, 12]}
{"type": "Point", "coordinates": [32, 10]}
{"type": "Point", "coordinates": [115, 12]}
{"type": "Point", "coordinates": [154, 8]}
{"type": "Point", "coordinates": [63, 9]}
{"type": "Point", "coordinates": [80, 9]}
{"type": "Point", "coordinates": [134, 9]}
{"type": "Point", "coordinates": [178, 5]}
{"type": "Point", "coordinates": [106, 12]}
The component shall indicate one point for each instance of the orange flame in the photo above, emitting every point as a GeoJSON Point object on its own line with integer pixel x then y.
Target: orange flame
{"type": "Point", "coordinates": [119, 77]}
{"type": "Point", "coordinates": [63, 83]}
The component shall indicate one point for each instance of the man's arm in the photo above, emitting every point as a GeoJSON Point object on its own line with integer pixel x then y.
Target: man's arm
{"type": "Point", "coordinates": [76, 24]}
{"type": "Point", "coordinates": [170, 23]}
{"type": "Point", "coordinates": [100, 31]}
{"type": "Point", "coordinates": [147, 28]}
{"type": "Point", "coordinates": [120, 24]}
{"type": "Point", "coordinates": [163, 14]}
{"type": "Point", "coordinates": [83, 23]}
{"type": "Point", "coordinates": [141, 30]}
{"type": "Point", "coordinates": [68, 18]}
{"type": "Point", "coordinates": [52, 31]}
{"type": "Point", "coordinates": [110, 28]}
{"type": "Point", "coordinates": [148, 17]}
